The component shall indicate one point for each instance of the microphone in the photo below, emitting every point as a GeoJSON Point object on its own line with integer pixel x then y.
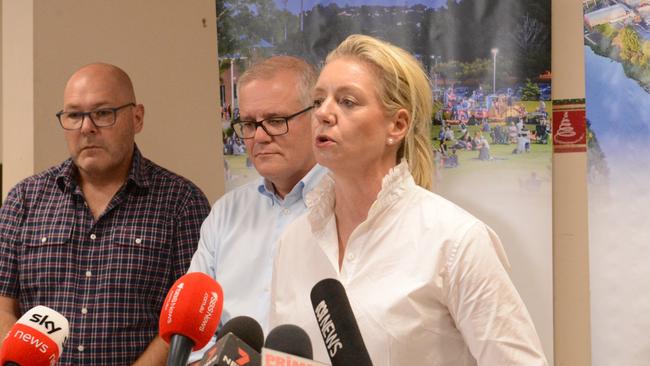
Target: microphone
{"type": "Point", "coordinates": [190, 315]}
{"type": "Point", "coordinates": [288, 344]}
{"type": "Point", "coordinates": [337, 324]}
{"type": "Point", "coordinates": [238, 343]}
{"type": "Point", "coordinates": [36, 339]}
{"type": "Point", "coordinates": [245, 328]}
{"type": "Point", "coordinates": [291, 339]}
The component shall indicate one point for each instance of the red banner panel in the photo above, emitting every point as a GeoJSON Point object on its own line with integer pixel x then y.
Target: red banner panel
{"type": "Point", "coordinates": [569, 126]}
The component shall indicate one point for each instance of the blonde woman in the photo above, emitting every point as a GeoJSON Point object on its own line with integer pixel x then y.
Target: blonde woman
{"type": "Point", "coordinates": [426, 280]}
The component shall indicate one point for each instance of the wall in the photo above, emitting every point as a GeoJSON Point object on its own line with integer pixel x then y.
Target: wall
{"type": "Point", "coordinates": [17, 91]}
{"type": "Point", "coordinates": [571, 310]}
{"type": "Point", "coordinates": [169, 49]}
{"type": "Point", "coordinates": [0, 95]}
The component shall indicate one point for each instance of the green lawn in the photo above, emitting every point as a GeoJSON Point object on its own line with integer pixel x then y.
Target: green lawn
{"type": "Point", "coordinates": [504, 160]}
{"type": "Point", "coordinates": [538, 152]}
{"type": "Point", "coordinates": [504, 164]}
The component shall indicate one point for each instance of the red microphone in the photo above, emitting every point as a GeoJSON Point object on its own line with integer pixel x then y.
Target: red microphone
{"type": "Point", "coordinates": [36, 339]}
{"type": "Point", "coordinates": [190, 315]}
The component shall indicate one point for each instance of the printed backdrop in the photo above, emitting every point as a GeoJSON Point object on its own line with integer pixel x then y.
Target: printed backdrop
{"type": "Point", "coordinates": [617, 70]}
{"type": "Point", "coordinates": [489, 65]}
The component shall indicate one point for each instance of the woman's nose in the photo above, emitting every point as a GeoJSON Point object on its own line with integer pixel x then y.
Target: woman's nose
{"type": "Point", "coordinates": [324, 113]}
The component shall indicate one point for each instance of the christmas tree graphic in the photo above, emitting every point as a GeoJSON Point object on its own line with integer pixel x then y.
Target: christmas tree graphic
{"type": "Point", "coordinates": [566, 134]}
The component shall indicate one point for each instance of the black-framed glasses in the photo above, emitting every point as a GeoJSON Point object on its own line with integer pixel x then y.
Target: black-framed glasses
{"type": "Point", "coordinates": [102, 117]}
{"type": "Point", "coordinates": [273, 126]}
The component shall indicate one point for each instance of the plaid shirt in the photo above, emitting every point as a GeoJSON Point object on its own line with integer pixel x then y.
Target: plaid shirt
{"type": "Point", "coordinates": [108, 276]}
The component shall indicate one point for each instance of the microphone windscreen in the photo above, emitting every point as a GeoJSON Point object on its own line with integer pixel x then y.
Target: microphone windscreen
{"type": "Point", "coordinates": [291, 339]}
{"type": "Point", "coordinates": [192, 309]}
{"type": "Point", "coordinates": [230, 351]}
{"type": "Point", "coordinates": [36, 339]}
{"type": "Point", "coordinates": [271, 357]}
{"type": "Point", "coordinates": [246, 329]}
{"type": "Point", "coordinates": [337, 324]}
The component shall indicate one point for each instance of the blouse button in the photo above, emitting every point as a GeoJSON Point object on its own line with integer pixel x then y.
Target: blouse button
{"type": "Point", "coordinates": [43, 239]}
{"type": "Point", "coordinates": [138, 241]}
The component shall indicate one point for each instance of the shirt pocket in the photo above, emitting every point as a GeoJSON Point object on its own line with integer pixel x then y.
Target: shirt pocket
{"type": "Point", "coordinates": [45, 261]}
{"type": "Point", "coordinates": [138, 267]}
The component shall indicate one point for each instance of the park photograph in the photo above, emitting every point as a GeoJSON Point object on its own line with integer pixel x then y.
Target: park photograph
{"type": "Point", "coordinates": [489, 69]}
{"type": "Point", "coordinates": [488, 65]}
{"type": "Point", "coordinates": [617, 76]}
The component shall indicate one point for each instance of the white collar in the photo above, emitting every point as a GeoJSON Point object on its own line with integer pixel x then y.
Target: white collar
{"type": "Point", "coordinates": [321, 199]}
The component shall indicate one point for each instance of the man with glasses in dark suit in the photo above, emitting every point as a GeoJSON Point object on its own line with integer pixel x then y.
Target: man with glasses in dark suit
{"type": "Point", "coordinates": [101, 237]}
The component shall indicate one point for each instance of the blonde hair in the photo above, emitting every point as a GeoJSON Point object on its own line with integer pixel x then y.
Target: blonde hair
{"type": "Point", "coordinates": [402, 84]}
{"type": "Point", "coordinates": [269, 68]}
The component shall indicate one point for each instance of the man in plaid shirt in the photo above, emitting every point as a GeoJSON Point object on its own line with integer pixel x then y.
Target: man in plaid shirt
{"type": "Point", "coordinates": [101, 237]}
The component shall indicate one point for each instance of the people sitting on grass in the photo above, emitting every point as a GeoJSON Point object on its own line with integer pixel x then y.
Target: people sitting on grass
{"type": "Point", "coordinates": [499, 135]}
{"type": "Point", "coordinates": [443, 147]}
{"type": "Point", "coordinates": [449, 134]}
{"type": "Point", "coordinates": [483, 146]}
{"type": "Point", "coordinates": [446, 159]}
{"type": "Point", "coordinates": [465, 141]}
{"type": "Point", "coordinates": [512, 133]}
{"type": "Point", "coordinates": [541, 131]}
{"type": "Point", "coordinates": [463, 127]}
{"type": "Point", "coordinates": [523, 142]}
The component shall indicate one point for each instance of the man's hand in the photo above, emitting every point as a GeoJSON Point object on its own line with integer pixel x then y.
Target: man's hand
{"type": "Point", "coordinates": [9, 313]}
{"type": "Point", "coordinates": [155, 354]}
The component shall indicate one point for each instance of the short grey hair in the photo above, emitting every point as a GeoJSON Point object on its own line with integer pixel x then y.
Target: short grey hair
{"type": "Point", "coordinates": [269, 67]}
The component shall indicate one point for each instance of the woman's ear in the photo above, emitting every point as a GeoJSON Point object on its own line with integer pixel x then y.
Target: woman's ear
{"type": "Point", "coordinates": [399, 126]}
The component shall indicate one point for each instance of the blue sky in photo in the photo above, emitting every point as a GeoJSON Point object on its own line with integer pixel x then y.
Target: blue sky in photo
{"type": "Point", "coordinates": [617, 107]}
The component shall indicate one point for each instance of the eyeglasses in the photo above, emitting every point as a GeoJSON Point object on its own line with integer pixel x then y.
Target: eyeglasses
{"type": "Point", "coordinates": [273, 126]}
{"type": "Point", "coordinates": [102, 117]}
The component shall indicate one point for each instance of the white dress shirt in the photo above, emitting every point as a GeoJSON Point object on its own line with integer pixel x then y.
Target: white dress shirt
{"type": "Point", "coordinates": [426, 280]}
{"type": "Point", "coordinates": [238, 242]}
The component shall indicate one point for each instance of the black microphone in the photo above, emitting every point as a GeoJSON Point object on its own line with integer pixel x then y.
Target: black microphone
{"type": "Point", "coordinates": [291, 339]}
{"type": "Point", "coordinates": [337, 324]}
{"type": "Point", "coordinates": [239, 342]}
{"type": "Point", "coordinates": [288, 344]}
{"type": "Point", "coordinates": [245, 328]}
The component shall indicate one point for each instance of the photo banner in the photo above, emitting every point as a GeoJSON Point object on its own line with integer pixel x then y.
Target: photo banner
{"type": "Point", "coordinates": [617, 76]}
{"type": "Point", "coordinates": [489, 65]}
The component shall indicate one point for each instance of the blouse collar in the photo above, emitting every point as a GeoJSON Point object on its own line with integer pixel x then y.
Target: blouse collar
{"type": "Point", "coordinates": [321, 200]}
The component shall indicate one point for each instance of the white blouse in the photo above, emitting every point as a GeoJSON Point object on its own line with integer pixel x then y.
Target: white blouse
{"type": "Point", "coordinates": [427, 281]}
